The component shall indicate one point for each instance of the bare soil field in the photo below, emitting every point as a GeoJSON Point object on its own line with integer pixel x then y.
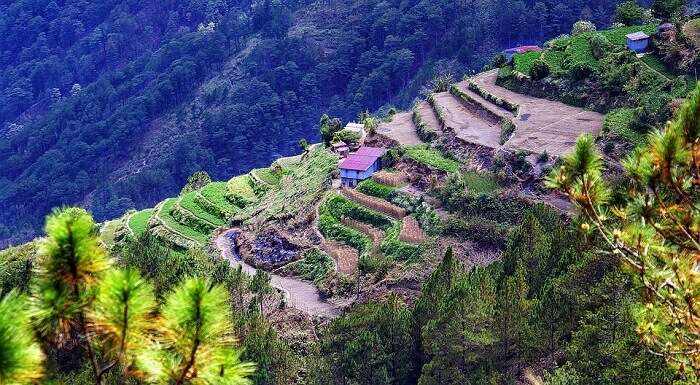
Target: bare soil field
{"type": "Point", "coordinates": [401, 129]}
{"type": "Point", "coordinates": [491, 108]}
{"type": "Point", "coordinates": [428, 116]}
{"type": "Point", "coordinates": [345, 256]}
{"type": "Point", "coordinates": [466, 125]}
{"type": "Point", "coordinates": [543, 125]}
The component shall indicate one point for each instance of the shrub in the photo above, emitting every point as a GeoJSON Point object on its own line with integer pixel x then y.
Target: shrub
{"type": "Point", "coordinates": [507, 129]}
{"type": "Point", "coordinates": [539, 70]}
{"type": "Point", "coordinates": [424, 132]}
{"type": "Point", "coordinates": [580, 71]}
{"type": "Point", "coordinates": [600, 45]}
{"type": "Point", "coordinates": [441, 83]}
{"type": "Point", "coordinates": [439, 113]}
{"type": "Point", "coordinates": [315, 266]}
{"type": "Point", "coordinates": [582, 26]}
{"type": "Point", "coordinates": [512, 107]}
{"type": "Point", "coordinates": [347, 136]}
{"type": "Point", "coordinates": [483, 231]}
{"type": "Point", "coordinates": [630, 13]}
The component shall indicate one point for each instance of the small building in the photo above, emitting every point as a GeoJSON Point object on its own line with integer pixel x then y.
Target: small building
{"type": "Point", "coordinates": [341, 148]}
{"type": "Point", "coordinates": [361, 165]}
{"type": "Point", "coordinates": [510, 52]}
{"type": "Point", "coordinates": [637, 41]}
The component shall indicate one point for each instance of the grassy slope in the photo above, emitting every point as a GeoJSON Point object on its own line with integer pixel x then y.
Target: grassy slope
{"type": "Point", "coordinates": [173, 224]}
{"type": "Point", "coordinates": [187, 202]}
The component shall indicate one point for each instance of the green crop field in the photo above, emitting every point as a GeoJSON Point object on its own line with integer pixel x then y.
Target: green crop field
{"type": "Point", "coordinates": [240, 186]}
{"type": "Point", "coordinates": [267, 176]}
{"type": "Point", "coordinates": [176, 226]}
{"type": "Point", "coordinates": [215, 193]}
{"type": "Point", "coordinates": [480, 183]}
{"type": "Point", "coordinates": [617, 35]}
{"type": "Point", "coordinates": [187, 202]}
{"type": "Point", "coordinates": [432, 157]}
{"type": "Point", "coordinates": [139, 221]}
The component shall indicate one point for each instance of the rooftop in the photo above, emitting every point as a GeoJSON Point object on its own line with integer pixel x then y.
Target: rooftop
{"type": "Point", "coordinates": [362, 158]}
{"type": "Point", "coordinates": [523, 49]}
{"type": "Point", "coordinates": [637, 36]}
{"type": "Point", "coordinates": [357, 127]}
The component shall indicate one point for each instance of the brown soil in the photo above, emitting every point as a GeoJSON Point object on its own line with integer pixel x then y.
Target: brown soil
{"type": "Point", "coordinates": [411, 231]}
{"type": "Point", "coordinates": [467, 125]}
{"type": "Point", "coordinates": [345, 256]}
{"type": "Point", "coordinates": [401, 129]}
{"type": "Point", "coordinates": [428, 116]}
{"type": "Point", "coordinates": [543, 125]}
{"type": "Point", "coordinates": [375, 203]}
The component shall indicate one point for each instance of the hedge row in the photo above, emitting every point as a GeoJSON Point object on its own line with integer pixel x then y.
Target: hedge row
{"type": "Point", "coordinates": [425, 132]}
{"type": "Point", "coordinates": [512, 107]}
{"type": "Point", "coordinates": [438, 110]}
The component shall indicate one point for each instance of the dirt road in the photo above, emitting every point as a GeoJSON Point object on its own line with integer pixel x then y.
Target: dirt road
{"type": "Point", "coordinates": [299, 294]}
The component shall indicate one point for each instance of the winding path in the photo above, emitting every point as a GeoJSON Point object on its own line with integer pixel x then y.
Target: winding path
{"type": "Point", "coordinates": [299, 294]}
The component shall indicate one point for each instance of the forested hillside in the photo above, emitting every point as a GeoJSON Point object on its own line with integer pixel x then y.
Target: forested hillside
{"type": "Point", "coordinates": [113, 104]}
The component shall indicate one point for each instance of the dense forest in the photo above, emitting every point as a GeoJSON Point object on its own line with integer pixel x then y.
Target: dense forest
{"type": "Point", "coordinates": [113, 104]}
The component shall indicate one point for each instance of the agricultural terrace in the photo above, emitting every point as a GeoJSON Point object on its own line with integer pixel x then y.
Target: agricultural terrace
{"type": "Point", "coordinates": [164, 217]}
{"type": "Point", "coordinates": [576, 49]}
{"type": "Point", "coordinates": [138, 221]}
{"type": "Point", "coordinates": [212, 198]}
{"type": "Point", "coordinates": [187, 202]}
{"type": "Point", "coordinates": [240, 191]}
{"type": "Point", "coordinates": [299, 188]}
{"type": "Point", "coordinates": [432, 157]}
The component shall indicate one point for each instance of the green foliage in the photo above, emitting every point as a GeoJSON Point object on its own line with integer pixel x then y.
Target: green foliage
{"type": "Point", "coordinates": [492, 98]}
{"type": "Point", "coordinates": [376, 189]}
{"type": "Point", "coordinates": [437, 108]}
{"type": "Point", "coordinates": [329, 126]}
{"type": "Point", "coordinates": [630, 13]}
{"type": "Point", "coordinates": [668, 9]}
{"type": "Point", "coordinates": [395, 249]}
{"type": "Point", "coordinates": [582, 26]}
{"type": "Point", "coordinates": [72, 263]}
{"type": "Point", "coordinates": [483, 231]}
{"type": "Point", "coordinates": [213, 199]}
{"type": "Point", "coordinates": [347, 136]}
{"type": "Point", "coordinates": [372, 344]}
{"type": "Point", "coordinates": [424, 132]}
{"type": "Point", "coordinates": [652, 237]}
{"type": "Point", "coordinates": [600, 45]}
{"type": "Point", "coordinates": [441, 83]}
{"type": "Point", "coordinates": [332, 229]}
{"type": "Point", "coordinates": [619, 122]}
{"type": "Point", "coordinates": [478, 182]}
{"type": "Point", "coordinates": [240, 191]}
{"type": "Point", "coordinates": [507, 129]}
{"type": "Point", "coordinates": [432, 157]}
{"type": "Point", "coordinates": [163, 214]}
{"type": "Point", "coordinates": [539, 70]}
{"type": "Point", "coordinates": [315, 266]}
{"type": "Point", "coordinates": [21, 358]}
{"type": "Point", "coordinates": [302, 187]}
{"type": "Point", "coordinates": [195, 344]}
{"type": "Point", "coordinates": [16, 265]}
{"type": "Point", "coordinates": [188, 203]}
{"type": "Point", "coordinates": [195, 182]}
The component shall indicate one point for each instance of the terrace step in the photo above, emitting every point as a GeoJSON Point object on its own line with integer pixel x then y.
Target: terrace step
{"type": "Point", "coordinates": [374, 203]}
{"type": "Point", "coordinates": [375, 234]}
{"type": "Point", "coordinates": [400, 129]}
{"type": "Point", "coordinates": [467, 125]}
{"type": "Point", "coordinates": [495, 111]}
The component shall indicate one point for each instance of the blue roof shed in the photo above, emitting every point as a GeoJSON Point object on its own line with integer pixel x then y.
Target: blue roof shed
{"type": "Point", "coordinates": [637, 41]}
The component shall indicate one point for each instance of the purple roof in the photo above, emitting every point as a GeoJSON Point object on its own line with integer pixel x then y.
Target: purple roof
{"type": "Point", "coordinates": [362, 158]}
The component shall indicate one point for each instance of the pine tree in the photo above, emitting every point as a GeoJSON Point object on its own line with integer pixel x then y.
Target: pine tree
{"type": "Point", "coordinates": [512, 316]}
{"type": "Point", "coordinates": [196, 345]}
{"type": "Point", "coordinates": [655, 232]}
{"type": "Point", "coordinates": [436, 287]}
{"type": "Point", "coordinates": [459, 336]}
{"type": "Point", "coordinates": [21, 357]}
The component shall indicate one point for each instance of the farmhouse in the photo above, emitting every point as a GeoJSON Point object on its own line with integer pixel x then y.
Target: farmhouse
{"type": "Point", "coordinates": [360, 165]}
{"type": "Point", "coordinates": [637, 41]}
{"type": "Point", "coordinates": [510, 52]}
